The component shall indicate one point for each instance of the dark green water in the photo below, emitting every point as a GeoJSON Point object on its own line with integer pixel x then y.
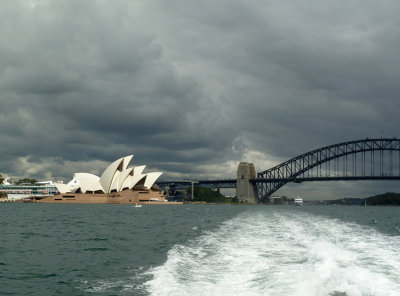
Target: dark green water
{"type": "Point", "coordinates": [48, 249]}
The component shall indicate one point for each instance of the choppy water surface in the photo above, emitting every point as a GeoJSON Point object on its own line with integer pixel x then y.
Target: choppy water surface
{"type": "Point", "coordinates": [199, 250]}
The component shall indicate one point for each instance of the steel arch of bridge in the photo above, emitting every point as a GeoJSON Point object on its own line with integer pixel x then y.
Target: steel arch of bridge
{"type": "Point", "coordinates": [297, 169]}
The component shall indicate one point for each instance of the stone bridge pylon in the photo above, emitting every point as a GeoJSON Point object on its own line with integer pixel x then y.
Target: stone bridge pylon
{"type": "Point", "coordinates": [246, 191]}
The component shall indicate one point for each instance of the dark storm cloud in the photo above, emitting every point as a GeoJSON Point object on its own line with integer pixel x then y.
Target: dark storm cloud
{"type": "Point", "coordinates": [83, 82]}
{"type": "Point", "coordinates": [191, 88]}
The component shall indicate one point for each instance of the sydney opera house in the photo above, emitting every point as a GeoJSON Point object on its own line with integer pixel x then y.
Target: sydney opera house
{"type": "Point", "coordinates": [117, 184]}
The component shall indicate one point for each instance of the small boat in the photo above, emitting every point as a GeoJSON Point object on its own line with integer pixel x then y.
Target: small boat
{"type": "Point", "coordinates": [138, 206]}
{"type": "Point", "coordinates": [298, 201]}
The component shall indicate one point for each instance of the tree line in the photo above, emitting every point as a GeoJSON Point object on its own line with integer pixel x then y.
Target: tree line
{"type": "Point", "coordinates": [208, 195]}
{"type": "Point", "coordinates": [19, 182]}
{"type": "Point", "coordinates": [385, 199]}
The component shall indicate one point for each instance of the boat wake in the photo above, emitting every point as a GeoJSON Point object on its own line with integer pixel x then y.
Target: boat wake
{"type": "Point", "coordinates": [282, 253]}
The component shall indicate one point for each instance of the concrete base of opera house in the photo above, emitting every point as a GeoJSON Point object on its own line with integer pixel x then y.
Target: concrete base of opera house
{"type": "Point", "coordinates": [121, 197]}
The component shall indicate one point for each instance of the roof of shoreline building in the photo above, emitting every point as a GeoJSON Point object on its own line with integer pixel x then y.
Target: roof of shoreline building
{"type": "Point", "coordinates": [116, 177]}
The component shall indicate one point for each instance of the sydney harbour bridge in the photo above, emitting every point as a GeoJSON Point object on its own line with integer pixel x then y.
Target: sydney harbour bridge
{"type": "Point", "coordinates": [367, 159]}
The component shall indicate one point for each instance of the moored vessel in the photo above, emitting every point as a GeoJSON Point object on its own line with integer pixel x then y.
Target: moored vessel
{"type": "Point", "coordinates": [298, 201]}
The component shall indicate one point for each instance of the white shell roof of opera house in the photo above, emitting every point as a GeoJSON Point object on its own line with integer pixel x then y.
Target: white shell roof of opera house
{"type": "Point", "coordinates": [116, 177]}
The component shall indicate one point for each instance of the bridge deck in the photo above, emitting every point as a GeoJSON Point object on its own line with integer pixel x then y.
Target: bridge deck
{"type": "Point", "coordinates": [348, 161]}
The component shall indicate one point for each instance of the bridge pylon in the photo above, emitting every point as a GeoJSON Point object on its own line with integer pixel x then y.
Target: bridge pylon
{"type": "Point", "coordinates": [245, 190]}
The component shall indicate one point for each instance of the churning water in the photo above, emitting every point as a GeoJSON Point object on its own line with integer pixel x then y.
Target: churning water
{"type": "Point", "coordinates": [282, 253]}
{"type": "Point", "coordinates": [201, 250]}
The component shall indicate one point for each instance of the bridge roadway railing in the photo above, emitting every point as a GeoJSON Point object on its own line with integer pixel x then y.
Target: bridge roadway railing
{"type": "Point", "coordinates": [322, 179]}
{"type": "Point", "coordinates": [213, 184]}
{"type": "Point", "coordinates": [259, 182]}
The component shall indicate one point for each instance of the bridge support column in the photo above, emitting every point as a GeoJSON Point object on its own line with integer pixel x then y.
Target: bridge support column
{"type": "Point", "coordinates": [246, 191]}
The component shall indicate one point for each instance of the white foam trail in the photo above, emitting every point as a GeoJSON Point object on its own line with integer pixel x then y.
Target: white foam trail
{"type": "Point", "coordinates": [282, 254]}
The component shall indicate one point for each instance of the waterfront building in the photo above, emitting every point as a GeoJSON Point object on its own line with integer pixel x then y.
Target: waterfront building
{"type": "Point", "coordinates": [18, 192]}
{"type": "Point", "coordinates": [117, 184]}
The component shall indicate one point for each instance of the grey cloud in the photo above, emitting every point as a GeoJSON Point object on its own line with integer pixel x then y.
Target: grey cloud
{"type": "Point", "coordinates": [177, 83]}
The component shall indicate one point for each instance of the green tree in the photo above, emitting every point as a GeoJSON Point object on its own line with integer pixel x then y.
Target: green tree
{"type": "Point", "coordinates": [26, 181]}
{"type": "Point", "coordinates": [208, 195]}
{"type": "Point", "coordinates": [388, 198]}
{"type": "Point", "coordinates": [2, 194]}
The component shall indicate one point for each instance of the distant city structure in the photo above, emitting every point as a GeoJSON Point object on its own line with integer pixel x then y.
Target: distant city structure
{"type": "Point", "coordinates": [367, 159]}
{"type": "Point", "coordinates": [13, 192]}
{"type": "Point", "coordinates": [117, 184]}
{"type": "Point", "coordinates": [275, 200]}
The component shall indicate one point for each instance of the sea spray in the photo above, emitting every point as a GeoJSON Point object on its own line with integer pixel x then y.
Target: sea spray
{"type": "Point", "coordinates": [282, 253]}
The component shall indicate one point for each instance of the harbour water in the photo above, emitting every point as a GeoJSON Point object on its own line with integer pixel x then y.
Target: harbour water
{"type": "Point", "coordinates": [49, 249]}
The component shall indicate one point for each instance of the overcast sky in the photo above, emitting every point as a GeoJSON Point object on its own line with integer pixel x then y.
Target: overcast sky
{"type": "Point", "coordinates": [193, 87]}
